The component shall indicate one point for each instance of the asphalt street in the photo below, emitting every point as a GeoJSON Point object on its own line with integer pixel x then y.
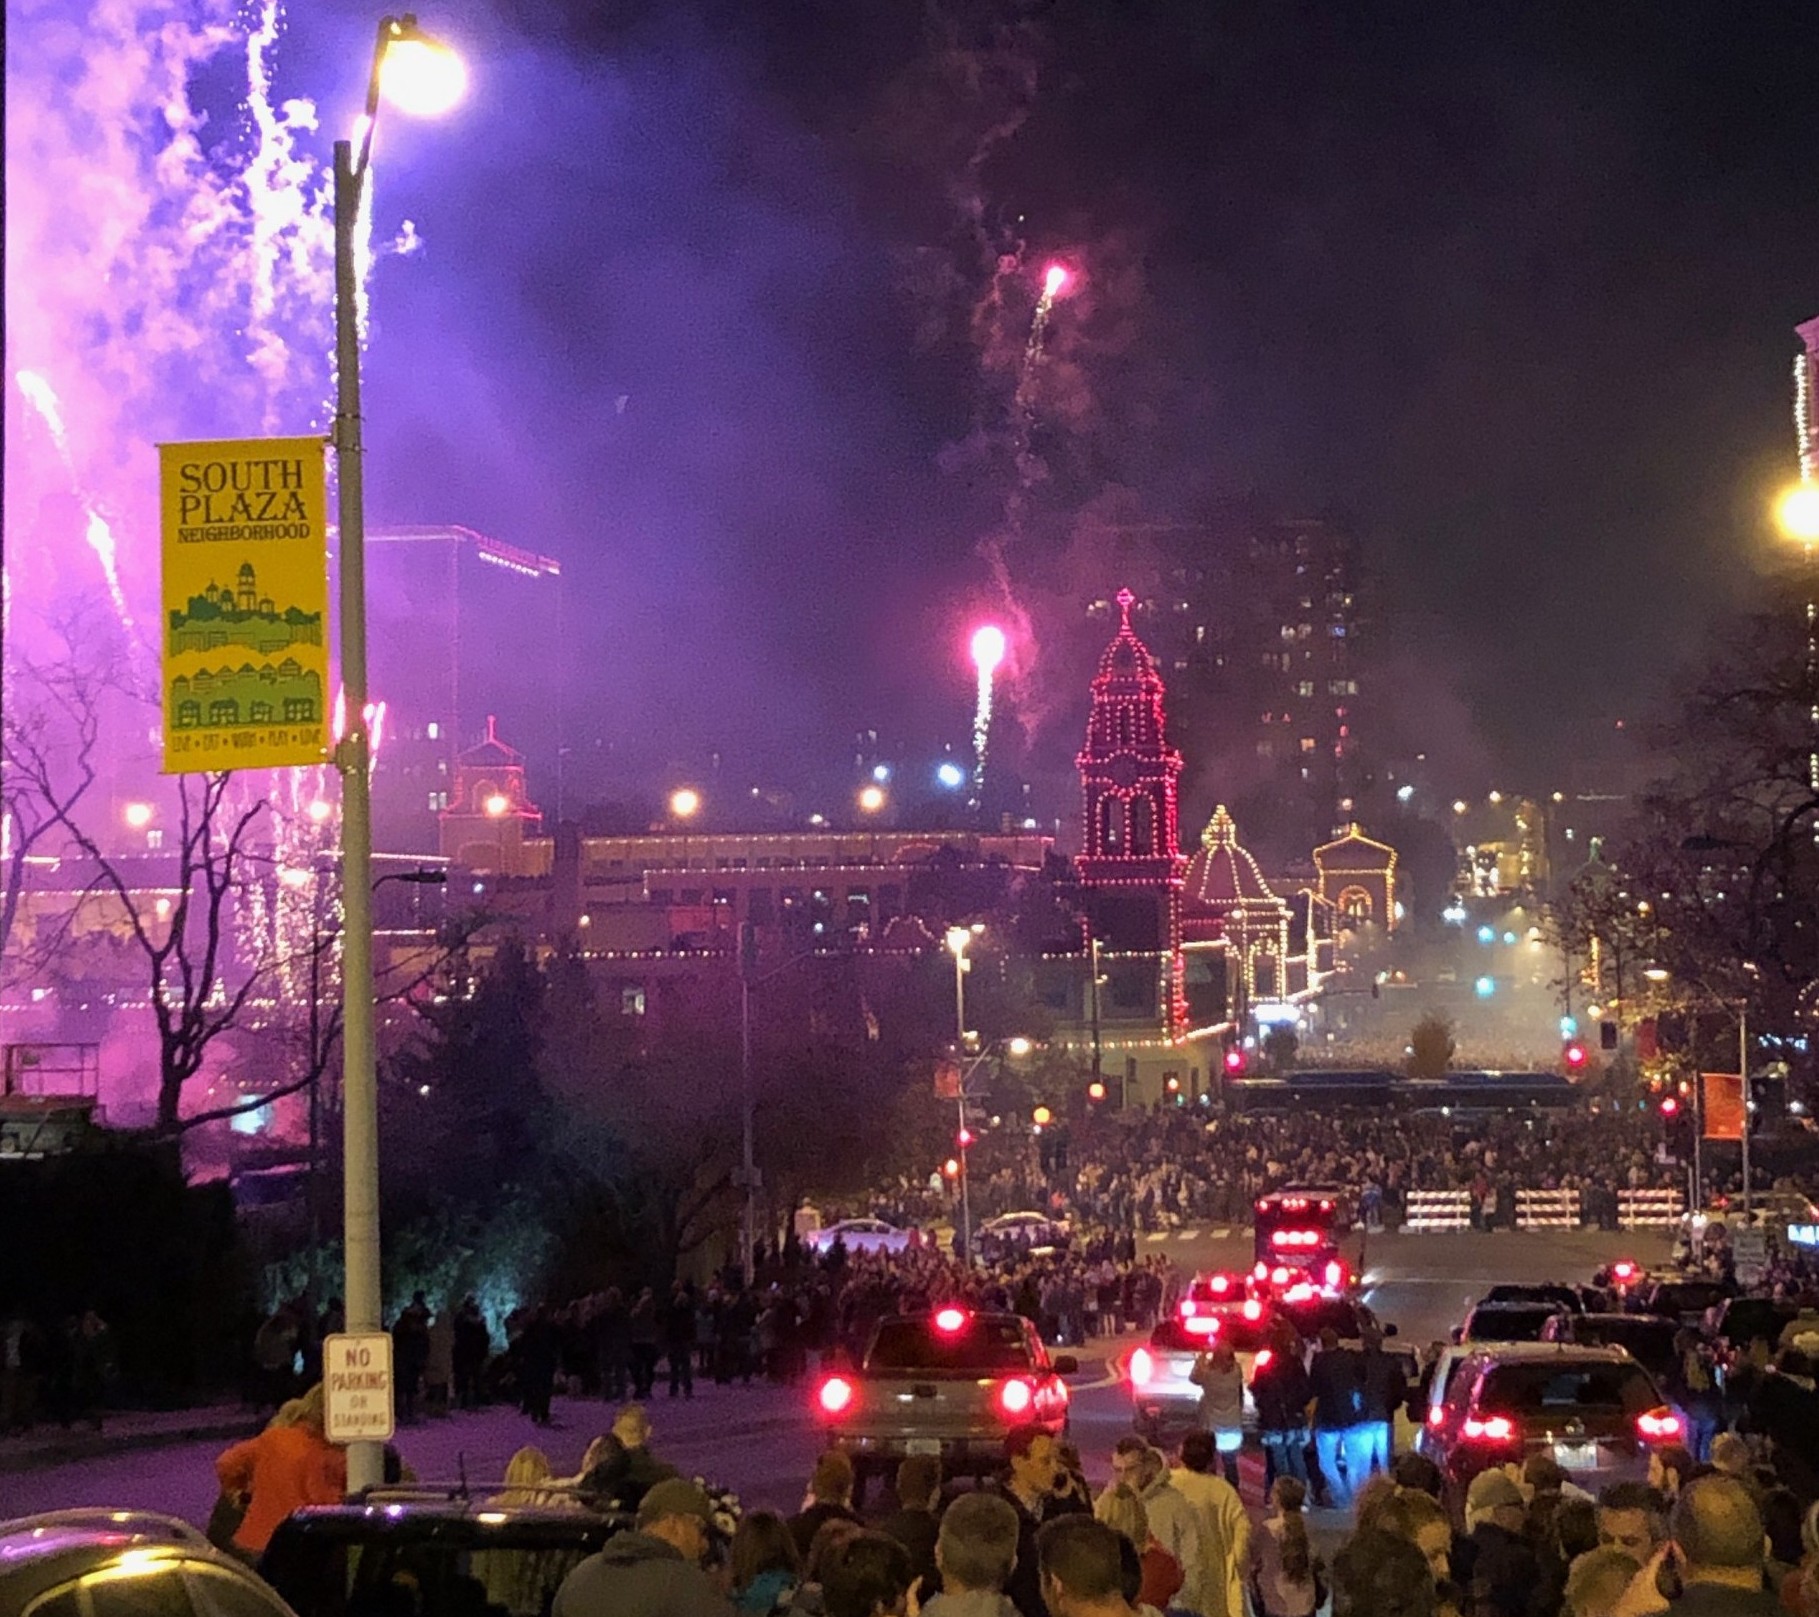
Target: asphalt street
{"type": "Point", "coordinates": [762, 1440]}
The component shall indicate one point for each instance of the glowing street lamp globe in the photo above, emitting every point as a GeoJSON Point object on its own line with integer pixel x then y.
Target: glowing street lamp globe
{"type": "Point", "coordinates": [958, 937]}
{"type": "Point", "coordinates": [685, 802]}
{"type": "Point", "coordinates": [419, 75]}
{"type": "Point", "coordinates": [497, 805]}
{"type": "Point", "coordinates": [138, 815]}
{"type": "Point", "coordinates": [951, 776]}
{"type": "Point", "coordinates": [1797, 513]}
{"type": "Point", "coordinates": [988, 648]}
{"type": "Point", "coordinates": [871, 799]}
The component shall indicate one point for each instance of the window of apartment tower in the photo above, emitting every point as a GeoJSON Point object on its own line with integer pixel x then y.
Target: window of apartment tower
{"type": "Point", "coordinates": [631, 1001]}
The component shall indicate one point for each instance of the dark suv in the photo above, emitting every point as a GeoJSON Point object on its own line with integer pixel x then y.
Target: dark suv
{"type": "Point", "coordinates": [1593, 1410]}
{"type": "Point", "coordinates": [404, 1551]}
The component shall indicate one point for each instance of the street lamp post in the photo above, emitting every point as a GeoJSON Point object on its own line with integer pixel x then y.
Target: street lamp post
{"type": "Point", "coordinates": [420, 56]}
{"type": "Point", "coordinates": [958, 937]}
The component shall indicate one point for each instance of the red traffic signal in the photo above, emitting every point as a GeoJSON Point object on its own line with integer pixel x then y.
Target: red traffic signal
{"type": "Point", "coordinates": [1574, 1057]}
{"type": "Point", "coordinates": [1234, 1061]}
{"type": "Point", "coordinates": [964, 1138]}
{"type": "Point", "coordinates": [1670, 1105]}
{"type": "Point", "coordinates": [1095, 1091]}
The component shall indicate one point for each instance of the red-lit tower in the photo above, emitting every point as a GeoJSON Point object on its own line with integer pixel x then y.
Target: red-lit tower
{"type": "Point", "coordinates": [1130, 862]}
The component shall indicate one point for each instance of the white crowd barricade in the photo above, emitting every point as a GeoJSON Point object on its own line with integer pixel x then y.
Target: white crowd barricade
{"type": "Point", "coordinates": [1547, 1209]}
{"type": "Point", "coordinates": [1438, 1210]}
{"type": "Point", "coordinates": [1645, 1209]}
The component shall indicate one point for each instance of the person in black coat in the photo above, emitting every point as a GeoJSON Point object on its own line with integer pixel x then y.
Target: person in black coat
{"type": "Point", "coordinates": [1281, 1391]}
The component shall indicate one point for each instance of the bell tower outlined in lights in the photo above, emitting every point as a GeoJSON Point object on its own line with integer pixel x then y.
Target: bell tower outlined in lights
{"type": "Point", "coordinates": [1131, 868]}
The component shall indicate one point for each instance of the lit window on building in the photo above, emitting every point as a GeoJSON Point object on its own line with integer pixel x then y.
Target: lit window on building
{"type": "Point", "coordinates": [1305, 688]}
{"type": "Point", "coordinates": [631, 1001]}
{"type": "Point", "coordinates": [433, 730]}
{"type": "Point", "coordinates": [1308, 743]}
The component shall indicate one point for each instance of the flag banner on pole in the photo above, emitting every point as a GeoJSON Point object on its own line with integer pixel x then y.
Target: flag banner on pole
{"type": "Point", "coordinates": [244, 603]}
{"type": "Point", "coordinates": [1723, 1094]}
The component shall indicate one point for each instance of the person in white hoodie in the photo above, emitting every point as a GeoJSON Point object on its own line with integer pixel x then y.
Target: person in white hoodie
{"type": "Point", "coordinates": [1225, 1528]}
{"type": "Point", "coordinates": [1173, 1520]}
{"type": "Point", "coordinates": [974, 1553]}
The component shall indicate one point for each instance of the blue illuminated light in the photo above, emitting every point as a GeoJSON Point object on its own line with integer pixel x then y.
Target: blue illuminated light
{"type": "Point", "coordinates": [1485, 987]}
{"type": "Point", "coordinates": [951, 775]}
{"type": "Point", "coordinates": [1487, 934]}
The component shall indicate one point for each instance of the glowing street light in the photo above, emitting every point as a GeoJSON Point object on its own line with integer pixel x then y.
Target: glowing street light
{"type": "Point", "coordinates": [139, 815]}
{"type": "Point", "coordinates": [950, 776]}
{"type": "Point", "coordinates": [319, 810]}
{"type": "Point", "coordinates": [413, 71]}
{"type": "Point", "coordinates": [685, 802]}
{"type": "Point", "coordinates": [497, 806]}
{"type": "Point", "coordinates": [1019, 1046]}
{"type": "Point", "coordinates": [418, 75]}
{"type": "Point", "coordinates": [1797, 513]}
{"type": "Point", "coordinates": [872, 799]}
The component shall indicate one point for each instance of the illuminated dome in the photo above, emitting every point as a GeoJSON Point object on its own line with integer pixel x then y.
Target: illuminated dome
{"type": "Point", "coordinates": [1223, 876]}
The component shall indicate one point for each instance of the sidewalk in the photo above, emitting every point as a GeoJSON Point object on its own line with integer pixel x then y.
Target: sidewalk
{"type": "Point", "coordinates": [48, 1444]}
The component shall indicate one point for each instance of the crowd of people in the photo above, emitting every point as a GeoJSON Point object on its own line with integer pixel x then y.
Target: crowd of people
{"type": "Point", "coordinates": [804, 1308]}
{"type": "Point", "coordinates": [1183, 1166]}
{"type": "Point", "coordinates": [1168, 1534]}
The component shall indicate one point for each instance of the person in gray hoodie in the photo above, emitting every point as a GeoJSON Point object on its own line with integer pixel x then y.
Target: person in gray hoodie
{"type": "Point", "coordinates": [654, 1571]}
{"type": "Point", "coordinates": [975, 1551]}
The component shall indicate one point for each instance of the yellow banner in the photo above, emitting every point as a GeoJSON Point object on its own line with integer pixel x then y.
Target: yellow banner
{"type": "Point", "coordinates": [245, 603]}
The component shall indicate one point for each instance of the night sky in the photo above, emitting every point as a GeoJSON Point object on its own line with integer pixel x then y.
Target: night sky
{"type": "Point", "coordinates": [706, 311]}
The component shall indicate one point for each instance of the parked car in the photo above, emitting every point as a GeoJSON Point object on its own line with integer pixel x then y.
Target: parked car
{"type": "Point", "coordinates": [448, 1552]}
{"type": "Point", "coordinates": [1687, 1300]}
{"type": "Point", "coordinates": [83, 1563]}
{"type": "Point", "coordinates": [1562, 1297]}
{"type": "Point", "coordinates": [1738, 1321]}
{"type": "Point", "coordinates": [1594, 1410]}
{"type": "Point", "coordinates": [1036, 1232]}
{"type": "Point", "coordinates": [861, 1235]}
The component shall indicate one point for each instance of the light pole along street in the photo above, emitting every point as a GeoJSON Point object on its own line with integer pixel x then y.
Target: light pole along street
{"type": "Point", "coordinates": [419, 76]}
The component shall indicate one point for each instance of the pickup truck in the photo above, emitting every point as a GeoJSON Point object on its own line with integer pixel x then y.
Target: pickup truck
{"type": "Point", "coordinates": [951, 1383]}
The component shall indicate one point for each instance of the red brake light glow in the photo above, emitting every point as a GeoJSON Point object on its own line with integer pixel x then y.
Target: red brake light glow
{"type": "Point", "coordinates": [1262, 1270]}
{"type": "Point", "coordinates": [1253, 1310]}
{"type": "Point", "coordinates": [1659, 1425]}
{"type": "Point", "coordinates": [1221, 1283]}
{"type": "Point", "coordinates": [1493, 1429]}
{"type": "Point", "coordinates": [1264, 1355]}
{"type": "Point", "coordinates": [1436, 1416]}
{"type": "Point", "coordinates": [950, 1320]}
{"type": "Point", "coordinates": [1015, 1397]}
{"type": "Point", "coordinates": [836, 1394]}
{"type": "Point", "coordinates": [1623, 1271]}
{"type": "Point", "coordinates": [1142, 1368]}
{"type": "Point", "coordinates": [1188, 1307]}
{"type": "Point", "coordinates": [1335, 1273]}
{"type": "Point", "coordinates": [1202, 1325]}
{"type": "Point", "coordinates": [1279, 1276]}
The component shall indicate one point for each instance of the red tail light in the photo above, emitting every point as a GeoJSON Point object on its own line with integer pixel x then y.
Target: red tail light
{"type": "Point", "coordinates": [1436, 1416]}
{"type": "Point", "coordinates": [1492, 1429]}
{"type": "Point", "coordinates": [1142, 1368]}
{"type": "Point", "coordinates": [1204, 1325]}
{"type": "Point", "coordinates": [1221, 1283]}
{"type": "Point", "coordinates": [1264, 1355]}
{"type": "Point", "coordinates": [1189, 1308]}
{"type": "Point", "coordinates": [1335, 1274]}
{"type": "Point", "coordinates": [1660, 1425]}
{"type": "Point", "coordinates": [1262, 1270]}
{"type": "Point", "coordinates": [950, 1320]}
{"type": "Point", "coordinates": [1015, 1398]}
{"type": "Point", "coordinates": [1279, 1276]}
{"type": "Point", "coordinates": [836, 1394]}
{"type": "Point", "coordinates": [1253, 1310]}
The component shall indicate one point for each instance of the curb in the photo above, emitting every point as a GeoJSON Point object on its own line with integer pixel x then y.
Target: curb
{"type": "Point", "coordinates": [92, 1445]}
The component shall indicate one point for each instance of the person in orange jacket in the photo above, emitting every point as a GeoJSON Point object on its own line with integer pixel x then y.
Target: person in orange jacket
{"type": "Point", "coordinates": [287, 1466]}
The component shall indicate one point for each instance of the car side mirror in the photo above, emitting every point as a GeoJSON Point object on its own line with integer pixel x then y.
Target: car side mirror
{"type": "Point", "coordinates": [1065, 1364]}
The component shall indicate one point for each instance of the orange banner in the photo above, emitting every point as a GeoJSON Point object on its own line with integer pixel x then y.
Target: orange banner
{"type": "Point", "coordinates": [1723, 1093]}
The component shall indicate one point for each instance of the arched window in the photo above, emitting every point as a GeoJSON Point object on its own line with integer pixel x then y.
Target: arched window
{"type": "Point", "coordinates": [1111, 824]}
{"type": "Point", "coordinates": [1143, 826]}
{"type": "Point", "coordinates": [1355, 905]}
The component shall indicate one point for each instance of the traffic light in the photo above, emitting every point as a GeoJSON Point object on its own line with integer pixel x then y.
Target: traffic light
{"type": "Point", "coordinates": [1095, 1091]}
{"type": "Point", "coordinates": [1574, 1056]}
{"type": "Point", "coordinates": [1670, 1106]}
{"type": "Point", "coordinates": [1234, 1062]}
{"type": "Point", "coordinates": [964, 1138]}
{"type": "Point", "coordinates": [1607, 1035]}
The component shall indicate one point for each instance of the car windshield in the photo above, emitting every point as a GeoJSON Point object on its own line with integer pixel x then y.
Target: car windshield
{"type": "Point", "coordinates": [1509, 1322]}
{"type": "Point", "coordinates": [1546, 1386]}
{"type": "Point", "coordinates": [980, 1347]}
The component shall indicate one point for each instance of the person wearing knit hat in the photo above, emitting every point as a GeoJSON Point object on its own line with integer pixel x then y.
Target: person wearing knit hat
{"type": "Point", "coordinates": [653, 1571]}
{"type": "Point", "coordinates": [1493, 1563]}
